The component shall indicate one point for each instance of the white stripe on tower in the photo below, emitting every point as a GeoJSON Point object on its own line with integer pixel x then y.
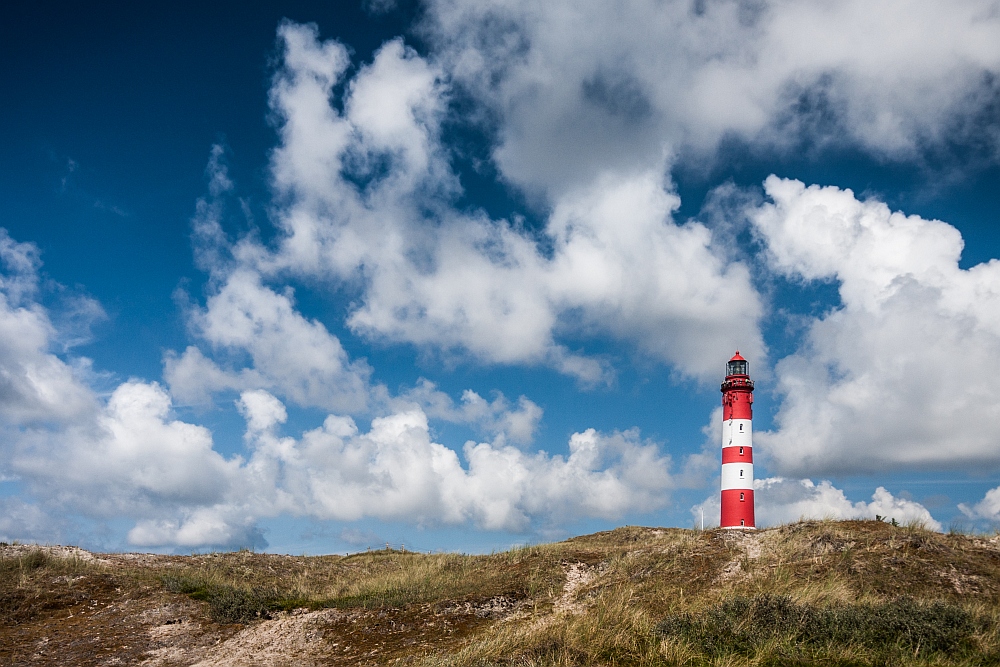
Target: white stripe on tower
{"type": "Point", "coordinates": [737, 476]}
{"type": "Point", "coordinates": [737, 433]}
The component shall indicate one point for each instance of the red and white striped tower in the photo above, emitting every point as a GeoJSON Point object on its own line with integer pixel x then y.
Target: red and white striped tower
{"type": "Point", "coordinates": [737, 447]}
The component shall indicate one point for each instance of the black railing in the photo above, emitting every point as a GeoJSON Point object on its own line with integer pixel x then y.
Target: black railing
{"type": "Point", "coordinates": [737, 383]}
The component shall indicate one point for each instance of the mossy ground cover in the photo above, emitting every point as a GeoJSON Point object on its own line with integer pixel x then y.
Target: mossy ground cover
{"type": "Point", "coordinates": [812, 593]}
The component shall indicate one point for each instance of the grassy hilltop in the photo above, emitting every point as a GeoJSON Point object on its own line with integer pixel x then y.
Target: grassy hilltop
{"type": "Point", "coordinates": [812, 593]}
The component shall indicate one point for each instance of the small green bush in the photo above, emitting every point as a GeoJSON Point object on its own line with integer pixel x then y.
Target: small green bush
{"type": "Point", "coordinates": [236, 605]}
{"type": "Point", "coordinates": [229, 604]}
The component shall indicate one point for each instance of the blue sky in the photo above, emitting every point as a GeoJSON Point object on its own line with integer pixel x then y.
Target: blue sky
{"type": "Point", "coordinates": [312, 277]}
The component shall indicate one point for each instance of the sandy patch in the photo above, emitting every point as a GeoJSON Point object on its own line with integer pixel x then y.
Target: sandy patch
{"type": "Point", "coordinates": [578, 575]}
{"type": "Point", "coordinates": [289, 639]}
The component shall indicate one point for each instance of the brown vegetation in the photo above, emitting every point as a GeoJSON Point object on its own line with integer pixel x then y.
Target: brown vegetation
{"type": "Point", "coordinates": [830, 593]}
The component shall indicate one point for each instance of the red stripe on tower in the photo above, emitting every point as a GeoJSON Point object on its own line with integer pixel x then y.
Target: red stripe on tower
{"type": "Point", "coordinates": [737, 445]}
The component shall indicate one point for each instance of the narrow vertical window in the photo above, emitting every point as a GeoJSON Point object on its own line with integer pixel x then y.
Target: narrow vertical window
{"type": "Point", "coordinates": [741, 451]}
{"type": "Point", "coordinates": [742, 522]}
{"type": "Point", "coordinates": [741, 427]}
{"type": "Point", "coordinates": [741, 497]}
{"type": "Point", "coordinates": [741, 472]}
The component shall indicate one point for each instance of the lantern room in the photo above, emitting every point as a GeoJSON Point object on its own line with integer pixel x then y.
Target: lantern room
{"type": "Point", "coordinates": [737, 366]}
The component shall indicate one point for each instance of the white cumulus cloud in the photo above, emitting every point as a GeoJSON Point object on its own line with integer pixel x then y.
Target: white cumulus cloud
{"type": "Point", "coordinates": [128, 458]}
{"type": "Point", "coordinates": [198, 528]}
{"type": "Point", "coordinates": [36, 385]}
{"type": "Point", "coordinates": [396, 471]}
{"type": "Point", "coordinates": [287, 352]}
{"type": "Point", "coordinates": [515, 423]}
{"type": "Point", "coordinates": [901, 372]}
{"type": "Point", "coordinates": [988, 508]}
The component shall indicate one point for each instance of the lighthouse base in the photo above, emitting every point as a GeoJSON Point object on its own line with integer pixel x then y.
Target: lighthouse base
{"type": "Point", "coordinates": [737, 509]}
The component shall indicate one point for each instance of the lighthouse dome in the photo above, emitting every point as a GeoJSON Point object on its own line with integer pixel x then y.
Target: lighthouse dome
{"type": "Point", "coordinates": [737, 365]}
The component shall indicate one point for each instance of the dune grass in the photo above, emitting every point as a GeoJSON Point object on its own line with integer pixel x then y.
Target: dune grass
{"type": "Point", "coordinates": [839, 593]}
{"type": "Point", "coordinates": [26, 583]}
{"type": "Point", "coordinates": [815, 593]}
{"type": "Point", "coordinates": [809, 593]}
{"type": "Point", "coordinates": [245, 586]}
{"type": "Point", "coordinates": [778, 627]}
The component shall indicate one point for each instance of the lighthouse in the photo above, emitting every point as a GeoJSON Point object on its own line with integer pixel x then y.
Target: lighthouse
{"type": "Point", "coordinates": [737, 447]}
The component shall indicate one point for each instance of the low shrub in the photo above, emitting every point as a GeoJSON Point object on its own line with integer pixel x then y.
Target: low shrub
{"type": "Point", "coordinates": [236, 605]}
{"type": "Point", "coordinates": [768, 623]}
{"type": "Point", "coordinates": [230, 604]}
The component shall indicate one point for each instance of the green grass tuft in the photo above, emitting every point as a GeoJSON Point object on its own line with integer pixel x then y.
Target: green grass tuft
{"type": "Point", "coordinates": [25, 563]}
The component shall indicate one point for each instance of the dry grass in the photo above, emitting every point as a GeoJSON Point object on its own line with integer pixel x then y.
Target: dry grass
{"type": "Point", "coordinates": [372, 580]}
{"type": "Point", "coordinates": [831, 593]}
{"type": "Point", "coordinates": [26, 583]}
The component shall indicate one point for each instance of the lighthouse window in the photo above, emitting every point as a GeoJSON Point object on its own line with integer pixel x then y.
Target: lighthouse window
{"type": "Point", "coordinates": [741, 497]}
{"type": "Point", "coordinates": [741, 427]}
{"type": "Point", "coordinates": [742, 522]}
{"type": "Point", "coordinates": [737, 368]}
{"type": "Point", "coordinates": [741, 451]}
{"type": "Point", "coordinates": [741, 472]}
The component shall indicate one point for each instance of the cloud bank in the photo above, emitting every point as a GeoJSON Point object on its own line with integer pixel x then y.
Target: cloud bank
{"type": "Point", "coordinates": [573, 89]}
{"type": "Point", "coordinates": [129, 456]}
{"type": "Point", "coordinates": [780, 500]}
{"type": "Point", "coordinates": [396, 472]}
